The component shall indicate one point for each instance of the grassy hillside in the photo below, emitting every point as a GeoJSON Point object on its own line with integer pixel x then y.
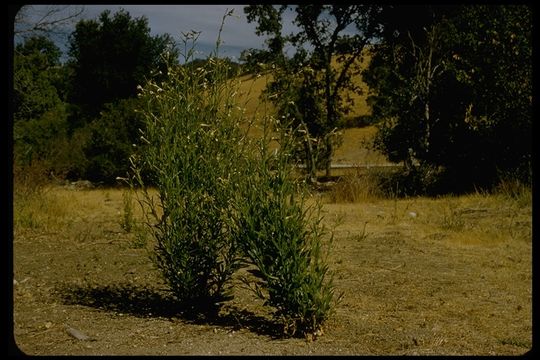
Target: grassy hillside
{"type": "Point", "coordinates": [354, 148]}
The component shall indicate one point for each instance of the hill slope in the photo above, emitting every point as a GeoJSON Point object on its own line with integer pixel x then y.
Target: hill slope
{"type": "Point", "coordinates": [354, 148]}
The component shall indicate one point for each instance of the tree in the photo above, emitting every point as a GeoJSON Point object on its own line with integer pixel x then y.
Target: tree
{"type": "Point", "coordinates": [110, 56]}
{"type": "Point", "coordinates": [110, 141]}
{"type": "Point", "coordinates": [39, 114]}
{"type": "Point", "coordinates": [34, 93]}
{"type": "Point", "coordinates": [328, 34]}
{"type": "Point", "coordinates": [452, 91]}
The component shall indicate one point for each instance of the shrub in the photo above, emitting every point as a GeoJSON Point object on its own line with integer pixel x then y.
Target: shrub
{"type": "Point", "coordinates": [220, 202]}
{"type": "Point", "coordinates": [193, 158]}
{"type": "Point", "coordinates": [282, 236]}
{"type": "Point", "coordinates": [422, 180]}
{"type": "Point", "coordinates": [110, 141]}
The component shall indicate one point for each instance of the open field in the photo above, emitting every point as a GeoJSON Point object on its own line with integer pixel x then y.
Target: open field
{"type": "Point", "coordinates": [451, 275]}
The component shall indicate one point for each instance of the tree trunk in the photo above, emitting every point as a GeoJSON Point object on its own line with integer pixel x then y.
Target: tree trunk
{"type": "Point", "coordinates": [329, 153]}
{"type": "Point", "coordinates": [310, 162]}
{"type": "Point", "coordinates": [310, 158]}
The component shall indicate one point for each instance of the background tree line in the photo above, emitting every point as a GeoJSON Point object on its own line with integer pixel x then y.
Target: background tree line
{"type": "Point", "coordinates": [450, 89]}
{"type": "Point", "coordinates": [451, 92]}
{"type": "Point", "coordinates": [450, 86]}
{"type": "Point", "coordinates": [77, 119]}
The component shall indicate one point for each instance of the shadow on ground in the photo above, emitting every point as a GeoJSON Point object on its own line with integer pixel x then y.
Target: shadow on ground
{"type": "Point", "coordinates": [146, 302]}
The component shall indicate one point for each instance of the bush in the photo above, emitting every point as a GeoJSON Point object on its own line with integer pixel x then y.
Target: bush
{"type": "Point", "coordinates": [191, 154]}
{"type": "Point", "coordinates": [221, 202]}
{"type": "Point", "coordinates": [452, 88]}
{"type": "Point", "coordinates": [282, 237]}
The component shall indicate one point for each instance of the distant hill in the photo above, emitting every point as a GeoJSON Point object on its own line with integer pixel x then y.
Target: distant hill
{"type": "Point", "coordinates": [353, 149]}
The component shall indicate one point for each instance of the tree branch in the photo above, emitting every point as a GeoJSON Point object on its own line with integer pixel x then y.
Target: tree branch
{"type": "Point", "coordinates": [46, 21]}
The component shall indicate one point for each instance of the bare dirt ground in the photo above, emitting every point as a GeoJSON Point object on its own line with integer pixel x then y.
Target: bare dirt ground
{"type": "Point", "coordinates": [419, 276]}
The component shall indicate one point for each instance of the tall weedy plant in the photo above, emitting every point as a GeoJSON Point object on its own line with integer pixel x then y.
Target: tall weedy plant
{"type": "Point", "coordinates": [283, 237]}
{"type": "Point", "coordinates": [192, 156]}
{"type": "Point", "coordinates": [222, 199]}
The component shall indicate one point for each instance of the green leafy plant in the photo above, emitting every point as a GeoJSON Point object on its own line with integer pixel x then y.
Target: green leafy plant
{"type": "Point", "coordinates": [222, 200]}
{"type": "Point", "coordinates": [309, 87]}
{"type": "Point", "coordinates": [128, 221]}
{"type": "Point", "coordinates": [191, 155]}
{"type": "Point", "coordinates": [451, 91]}
{"type": "Point", "coordinates": [283, 237]}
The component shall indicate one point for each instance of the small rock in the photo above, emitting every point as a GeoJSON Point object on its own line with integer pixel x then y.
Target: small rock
{"type": "Point", "coordinates": [412, 214]}
{"type": "Point", "coordinates": [77, 334]}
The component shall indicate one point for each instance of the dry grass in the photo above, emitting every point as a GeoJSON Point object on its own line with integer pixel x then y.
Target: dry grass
{"type": "Point", "coordinates": [455, 278]}
{"type": "Point", "coordinates": [355, 185]}
{"type": "Point", "coordinates": [251, 88]}
{"type": "Point", "coordinates": [253, 85]}
{"type": "Point", "coordinates": [354, 148]}
{"type": "Point", "coordinates": [360, 106]}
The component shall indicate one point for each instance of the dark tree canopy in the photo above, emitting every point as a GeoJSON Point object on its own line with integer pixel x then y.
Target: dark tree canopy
{"type": "Point", "coordinates": [34, 63]}
{"type": "Point", "coordinates": [452, 90]}
{"type": "Point", "coordinates": [110, 56]}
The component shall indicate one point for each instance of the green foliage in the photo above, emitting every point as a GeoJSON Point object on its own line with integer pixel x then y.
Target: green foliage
{"type": "Point", "coordinates": [253, 60]}
{"type": "Point", "coordinates": [300, 109]}
{"type": "Point", "coordinates": [40, 116]}
{"type": "Point", "coordinates": [453, 91]}
{"type": "Point", "coordinates": [192, 155]}
{"type": "Point", "coordinates": [79, 118]}
{"type": "Point", "coordinates": [110, 56]}
{"type": "Point", "coordinates": [128, 221]}
{"type": "Point", "coordinates": [34, 93]}
{"type": "Point", "coordinates": [111, 141]}
{"type": "Point", "coordinates": [282, 236]}
{"type": "Point", "coordinates": [220, 202]}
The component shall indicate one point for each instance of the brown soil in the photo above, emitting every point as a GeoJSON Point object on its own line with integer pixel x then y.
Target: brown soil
{"type": "Point", "coordinates": [454, 278]}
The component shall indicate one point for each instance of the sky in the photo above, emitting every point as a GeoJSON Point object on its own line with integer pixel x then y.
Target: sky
{"type": "Point", "coordinates": [236, 36]}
